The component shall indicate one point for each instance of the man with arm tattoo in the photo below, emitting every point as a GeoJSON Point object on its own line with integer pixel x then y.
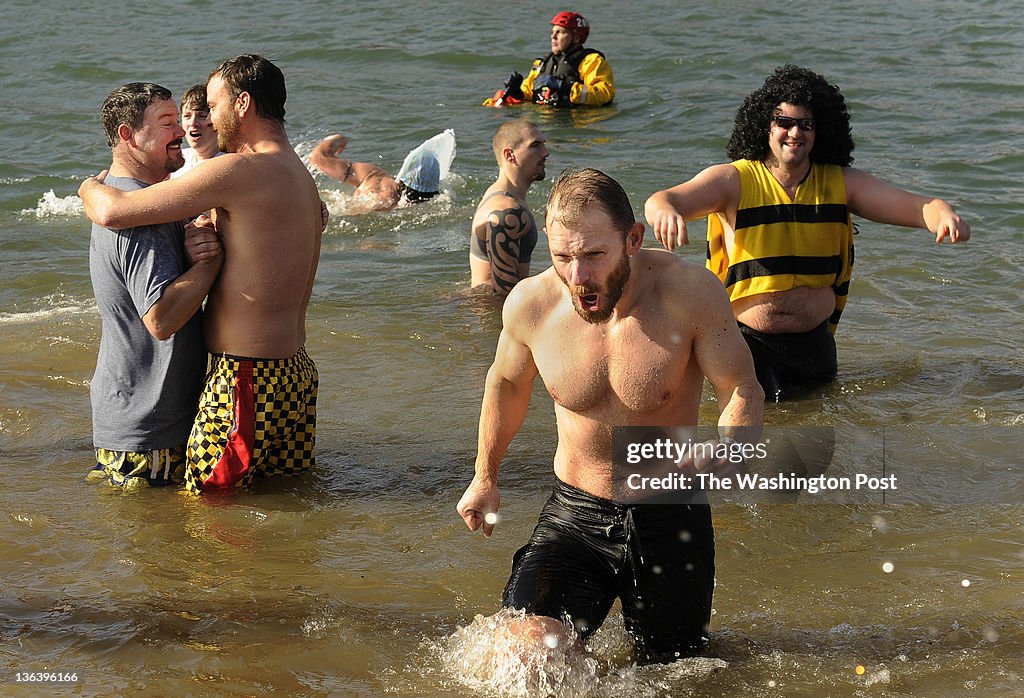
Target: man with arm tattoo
{"type": "Point", "coordinates": [504, 231]}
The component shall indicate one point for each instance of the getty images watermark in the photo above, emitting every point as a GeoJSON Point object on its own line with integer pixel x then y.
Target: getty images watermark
{"type": "Point", "coordinates": [815, 465]}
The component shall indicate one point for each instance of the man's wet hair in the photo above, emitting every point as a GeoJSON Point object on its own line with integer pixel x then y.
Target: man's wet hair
{"type": "Point", "coordinates": [833, 141]}
{"type": "Point", "coordinates": [195, 99]}
{"type": "Point", "coordinates": [263, 80]}
{"type": "Point", "coordinates": [412, 195]}
{"type": "Point", "coordinates": [576, 190]}
{"type": "Point", "coordinates": [127, 105]}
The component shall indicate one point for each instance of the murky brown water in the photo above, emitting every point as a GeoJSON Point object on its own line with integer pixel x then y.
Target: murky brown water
{"type": "Point", "coordinates": [361, 580]}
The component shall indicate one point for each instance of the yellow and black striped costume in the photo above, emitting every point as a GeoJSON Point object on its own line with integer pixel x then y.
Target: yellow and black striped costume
{"type": "Point", "coordinates": [781, 243]}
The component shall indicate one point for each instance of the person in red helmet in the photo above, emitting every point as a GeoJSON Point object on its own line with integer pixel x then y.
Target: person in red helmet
{"type": "Point", "coordinates": [570, 75]}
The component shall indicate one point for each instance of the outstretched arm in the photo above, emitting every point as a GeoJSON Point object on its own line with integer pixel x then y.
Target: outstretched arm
{"type": "Point", "coordinates": [875, 200]}
{"type": "Point", "coordinates": [213, 185]}
{"type": "Point", "coordinates": [325, 158]}
{"type": "Point", "coordinates": [506, 399]}
{"type": "Point", "coordinates": [714, 190]}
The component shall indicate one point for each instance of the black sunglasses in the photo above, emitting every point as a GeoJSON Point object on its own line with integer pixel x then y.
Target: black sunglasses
{"type": "Point", "coordinates": [788, 122]}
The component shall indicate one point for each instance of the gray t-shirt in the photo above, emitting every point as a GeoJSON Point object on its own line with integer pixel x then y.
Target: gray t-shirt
{"type": "Point", "coordinates": [145, 392]}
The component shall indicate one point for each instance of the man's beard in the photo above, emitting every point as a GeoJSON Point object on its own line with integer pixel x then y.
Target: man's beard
{"type": "Point", "coordinates": [607, 300]}
{"type": "Point", "coordinates": [227, 134]}
{"type": "Point", "coordinates": [175, 163]}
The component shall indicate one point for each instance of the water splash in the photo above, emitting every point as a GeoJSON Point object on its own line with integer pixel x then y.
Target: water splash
{"type": "Point", "coordinates": [487, 658]}
{"type": "Point", "coordinates": [51, 205]}
{"type": "Point", "coordinates": [54, 305]}
{"type": "Point", "coordinates": [881, 675]}
{"type": "Point", "coordinates": [490, 659]}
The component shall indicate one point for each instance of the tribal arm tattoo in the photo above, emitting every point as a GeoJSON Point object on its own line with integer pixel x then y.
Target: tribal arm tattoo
{"type": "Point", "coordinates": [505, 231]}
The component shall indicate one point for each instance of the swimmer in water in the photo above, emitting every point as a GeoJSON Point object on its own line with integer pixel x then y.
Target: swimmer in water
{"type": "Point", "coordinates": [419, 179]}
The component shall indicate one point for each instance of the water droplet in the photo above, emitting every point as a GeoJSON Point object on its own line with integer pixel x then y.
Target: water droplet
{"type": "Point", "coordinates": [491, 518]}
{"type": "Point", "coordinates": [551, 640]}
{"type": "Point", "coordinates": [965, 583]}
{"type": "Point", "coordinates": [887, 567]}
{"type": "Point", "coordinates": [860, 670]}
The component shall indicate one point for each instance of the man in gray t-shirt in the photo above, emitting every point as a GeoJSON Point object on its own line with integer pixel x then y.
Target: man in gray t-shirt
{"type": "Point", "coordinates": [149, 283]}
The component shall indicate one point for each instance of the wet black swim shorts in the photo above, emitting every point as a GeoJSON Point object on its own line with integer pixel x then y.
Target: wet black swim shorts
{"type": "Point", "coordinates": [657, 559]}
{"type": "Point", "coordinates": [788, 364]}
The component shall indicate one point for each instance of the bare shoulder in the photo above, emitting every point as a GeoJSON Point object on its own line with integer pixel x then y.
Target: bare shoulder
{"type": "Point", "coordinates": [667, 268]}
{"type": "Point", "coordinates": [724, 170]}
{"type": "Point", "coordinates": [236, 172]}
{"type": "Point", "coordinates": [857, 181]}
{"type": "Point", "coordinates": [493, 202]}
{"type": "Point", "coordinates": [377, 172]}
{"type": "Point", "coordinates": [722, 174]}
{"type": "Point", "coordinates": [713, 189]}
{"type": "Point", "coordinates": [530, 303]}
{"type": "Point", "coordinates": [722, 179]}
{"type": "Point", "coordinates": [852, 174]}
{"type": "Point", "coordinates": [496, 197]}
{"type": "Point", "coordinates": [214, 169]}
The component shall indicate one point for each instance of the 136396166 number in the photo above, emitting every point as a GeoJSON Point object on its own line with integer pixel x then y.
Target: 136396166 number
{"type": "Point", "coordinates": [46, 677]}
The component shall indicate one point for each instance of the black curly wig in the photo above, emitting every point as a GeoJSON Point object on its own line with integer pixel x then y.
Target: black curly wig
{"type": "Point", "coordinates": [833, 141]}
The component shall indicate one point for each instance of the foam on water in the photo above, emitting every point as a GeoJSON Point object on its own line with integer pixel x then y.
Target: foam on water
{"type": "Point", "coordinates": [399, 230]}
{"type": "Point", "coordinates": [51, 205]}
{"type": "Point", "coordinates": [55, 305]}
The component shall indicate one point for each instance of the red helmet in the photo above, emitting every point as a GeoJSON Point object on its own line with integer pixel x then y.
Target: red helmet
{"type": "Point", "coordinates": [574, 22]}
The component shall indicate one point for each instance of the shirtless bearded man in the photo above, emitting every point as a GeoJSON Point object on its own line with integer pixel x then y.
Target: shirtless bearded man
{"type": "Point", "coordinates": [621, 336]}
{"type": "Point", "coordinates": [257, 415]}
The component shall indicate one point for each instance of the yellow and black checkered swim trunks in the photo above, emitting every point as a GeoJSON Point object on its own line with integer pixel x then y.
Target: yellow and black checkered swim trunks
{"type": "Point", "coordinates": [257, 418]}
